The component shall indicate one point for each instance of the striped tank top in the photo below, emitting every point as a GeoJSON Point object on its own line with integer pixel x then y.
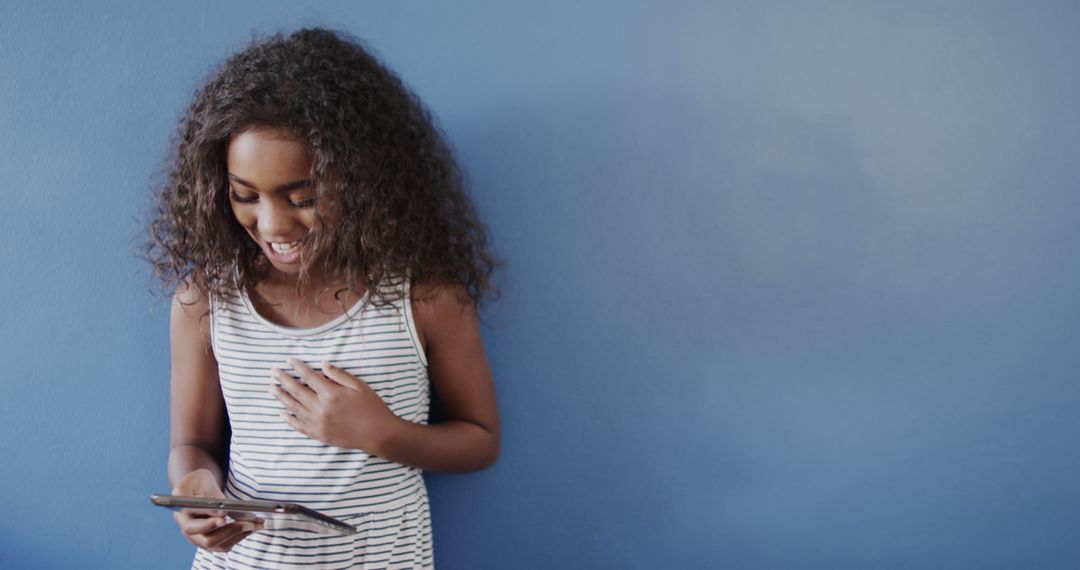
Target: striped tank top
{"type": "Point", "coordinates": [269, 460]}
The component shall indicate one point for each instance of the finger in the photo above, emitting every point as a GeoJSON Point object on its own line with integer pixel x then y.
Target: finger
{"type": "Point", "coordinates": [291, 404]}
{"type": "Point", "coordinates": [256, 520]}
{"type": "Point", "coordinates": [342, 377]}
{"type": "Point", "coordinates": [315, 380]}
{"type": "Point", "coordinates": [289, 383]}
{"type": "Point", "coordinates": [217, 538]}
{"type": "Point", "coordinates": [296, 423]}
{"type": "Point", "coordinates": [193, 526]}
{"type": "Point", "coordinates": [201, 513]}
{"type": "Point", "coordinates": [233, 542]}
{"type": "Point", "coordinates": [181, 519]}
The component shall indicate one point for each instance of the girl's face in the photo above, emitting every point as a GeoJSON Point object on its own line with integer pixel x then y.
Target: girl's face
{"type": "Point", "coordinates": [272, 194]}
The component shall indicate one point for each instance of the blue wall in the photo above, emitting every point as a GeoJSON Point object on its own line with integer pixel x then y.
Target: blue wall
{"type": "Point", "coordinates": [788, 286]}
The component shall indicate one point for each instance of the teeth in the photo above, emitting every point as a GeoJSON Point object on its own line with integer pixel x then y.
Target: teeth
{"type": "Point", "coordinates": [284, 247]}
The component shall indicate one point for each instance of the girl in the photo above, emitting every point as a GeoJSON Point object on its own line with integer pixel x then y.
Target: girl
{"type": "Point", "coordinates": [327, 269]}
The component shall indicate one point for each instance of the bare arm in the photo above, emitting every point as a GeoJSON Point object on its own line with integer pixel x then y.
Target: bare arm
{"type": "Point", "coordinates": [197, 408]}
{"type": "Point", "coordinates": [468, 437]}
{"type": "Point", "coordinates": [198, 424]}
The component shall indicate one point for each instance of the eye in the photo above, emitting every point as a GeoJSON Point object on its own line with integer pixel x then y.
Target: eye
{"type": "Point", "coordinates": [305, 203]}
{"type": "Point", "coordinates": [241, 198]}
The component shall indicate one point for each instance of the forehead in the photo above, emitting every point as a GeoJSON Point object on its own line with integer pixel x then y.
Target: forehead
{"type": "Point", "coordinates": [268, 155]}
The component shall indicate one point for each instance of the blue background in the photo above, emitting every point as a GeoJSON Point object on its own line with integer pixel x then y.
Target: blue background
{"type": "Point", "coordinates": [788, 285]}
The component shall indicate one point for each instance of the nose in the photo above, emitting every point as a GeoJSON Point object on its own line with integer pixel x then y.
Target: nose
{"type": "Point", "coordinates": [275, 220]}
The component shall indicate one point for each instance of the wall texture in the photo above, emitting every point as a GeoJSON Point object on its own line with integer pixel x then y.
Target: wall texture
{"type": "Point", "coordinates": [788, 284]}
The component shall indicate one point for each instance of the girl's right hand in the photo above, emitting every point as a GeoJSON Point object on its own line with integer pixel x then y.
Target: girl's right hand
{"type": "Point", "coordinates": [210, 531]}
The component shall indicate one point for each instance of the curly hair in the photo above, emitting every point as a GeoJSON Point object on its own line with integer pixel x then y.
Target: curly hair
{"type": "Point", "coordinates": [383, 173]}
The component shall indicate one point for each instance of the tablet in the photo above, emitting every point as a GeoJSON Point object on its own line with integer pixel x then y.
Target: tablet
{"type": "Point", "coordinates": [276, 516]}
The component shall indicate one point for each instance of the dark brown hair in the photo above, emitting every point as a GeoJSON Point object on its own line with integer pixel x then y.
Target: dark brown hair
{"type": "Point", "coordinates": [383, 174]}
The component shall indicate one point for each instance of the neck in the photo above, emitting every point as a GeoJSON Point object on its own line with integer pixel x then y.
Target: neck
{"type": "Point", "coordinates": [314, 284]}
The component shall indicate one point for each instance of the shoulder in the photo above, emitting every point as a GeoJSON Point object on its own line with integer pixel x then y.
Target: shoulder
{"type": "Point", "coordinates": [440, 309]}
{"type": "Point", "coordinates": [191, 307]}
{"type": "Point", "coordinates": [440, 300]}
{"type": "Point", "coordinates": [191, 292]}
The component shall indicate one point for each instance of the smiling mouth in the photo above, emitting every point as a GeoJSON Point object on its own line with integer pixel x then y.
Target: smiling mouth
{"type": "Point", "coordinates": [285, 248]}
{"type": "Point", "coordinates": [284, 252]}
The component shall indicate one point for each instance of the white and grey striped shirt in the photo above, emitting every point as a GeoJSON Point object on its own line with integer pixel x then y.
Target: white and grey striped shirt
{"type": "Point", "coordinates": [269, 460]}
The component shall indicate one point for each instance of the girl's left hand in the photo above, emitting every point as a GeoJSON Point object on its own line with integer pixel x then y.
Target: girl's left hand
{"type": "Point", "coordinates": [334, 407]}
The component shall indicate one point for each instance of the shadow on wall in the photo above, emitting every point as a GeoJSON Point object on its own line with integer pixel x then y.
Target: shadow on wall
{"type": "Point", "coordinates": [724, 323]}
{"type": "Point", "coordinates": [666, 260]}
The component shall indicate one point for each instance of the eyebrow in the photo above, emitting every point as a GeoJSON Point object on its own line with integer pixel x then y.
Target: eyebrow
{"type": "Point", "coordinates": [287, 187]}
